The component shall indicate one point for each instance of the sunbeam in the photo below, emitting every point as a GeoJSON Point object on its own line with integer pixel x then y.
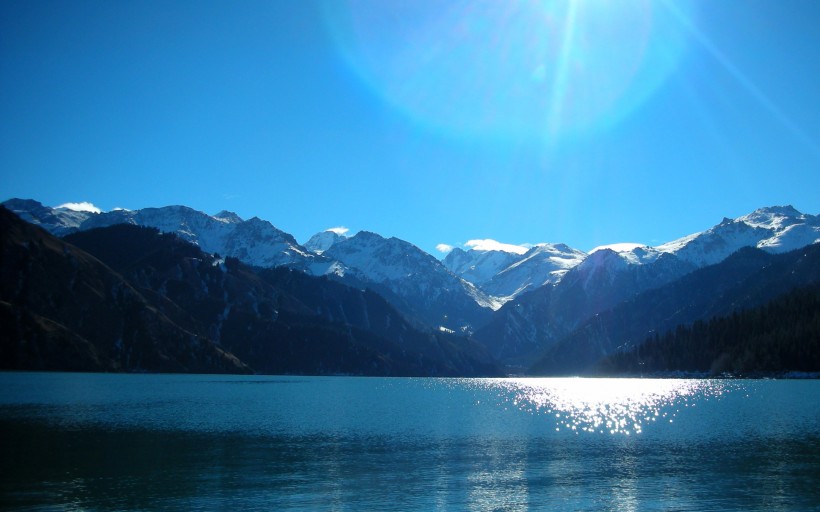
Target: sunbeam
{"type": "Point", "coordinates": [560, 86]}
{"type": "Point", "coordinates": [531, 69]}
{"type": "Point", "coordinates": [745, 82]}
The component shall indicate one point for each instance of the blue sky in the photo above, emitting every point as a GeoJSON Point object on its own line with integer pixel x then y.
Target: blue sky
{"type": "Point", "coordinates": [583, 122]}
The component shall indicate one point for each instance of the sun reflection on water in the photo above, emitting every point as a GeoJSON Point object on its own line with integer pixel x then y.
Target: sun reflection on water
{"type": "Point", "coordinates": [607, 406]}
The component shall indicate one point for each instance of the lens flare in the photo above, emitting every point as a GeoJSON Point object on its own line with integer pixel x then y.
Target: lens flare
{"type": "Point", "coordinates": [545, 69]}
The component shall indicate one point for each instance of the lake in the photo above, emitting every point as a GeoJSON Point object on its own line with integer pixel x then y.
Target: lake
{"type": "Point", "coordinates": [102, 442]}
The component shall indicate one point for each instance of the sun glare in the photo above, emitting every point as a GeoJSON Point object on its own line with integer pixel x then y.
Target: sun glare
{"type": "Point", "coordinates": [519, 69]}
{"type": "Point", "coordinates": [606, 406]}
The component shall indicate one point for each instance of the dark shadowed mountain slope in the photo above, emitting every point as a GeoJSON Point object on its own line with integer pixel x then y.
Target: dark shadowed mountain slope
{"type": "Point", "coordinates": [779, 337]}
{"type": "Point", "coordinates": [63, 309]}
{"type": "Point", "coordinates": [365, 309]}
{"type": "Point", "coordinates": [525, 327]}
{"type": "Point", "coordinates": [747, 279]}
{"type": "Point", "coordinates": [254, 241]}
{"type": "Point", "coordinates": [277, 320]}
{"type": "Point", "coordinates": [57, 221]}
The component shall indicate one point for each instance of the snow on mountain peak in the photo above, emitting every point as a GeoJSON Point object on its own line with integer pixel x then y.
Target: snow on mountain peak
{"type": "Point", "coordinates": [500, 270]}
{"type": "Point", "coordinates": [196, 227]}
{"type": "Point", "coordinates": [321, 242]}
{"type": "Point", "coordinates": [59, 221]}
{"type": "Point", "coordinates": [479, 266]}
{"type": "Point", "coordinates": [773, 217]}
{"type": "Point", "coordinates": [229, 217]}
{"type": "Point", "coordinates": [418, 278]}
{"type": "Point", "coordinates": [621, 247]}
{"type": "Point", "coordinates": [600, 257]}
{"type": "Point", "coordinates": [632, 253]}
{"type": "Point", "coordinates": [540, 265]}
{"type": "Point", "coordinates": [561, 255]}
{"type": "Point", "coordinates": [254, 241]}
{"type": "Point", "coordinates": [774, 229]}
{"type": "Point", "coordinates": [380, 259]}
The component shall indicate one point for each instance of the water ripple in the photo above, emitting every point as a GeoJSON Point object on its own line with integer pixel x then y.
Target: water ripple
{"type": "Point", "coordinates": [613, 406]}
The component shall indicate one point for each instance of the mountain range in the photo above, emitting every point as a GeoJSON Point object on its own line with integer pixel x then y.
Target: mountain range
{"type": "Point", "coordinates": [524, 308]}
{"type": "Point", "coordinates": [128, 298]}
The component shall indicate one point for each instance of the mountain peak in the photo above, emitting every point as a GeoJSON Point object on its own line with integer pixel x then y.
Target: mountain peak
{"type": "Point", "coordinates": [773, 228]}
{"type": "Point", "coordinates": [478, 266]}
{"type": "Point", "coordinates": [59, 221]}
{"type": "Point", "coordinates": [773, 217]}
{"type": "Point", "coordinates": [22, 204]}
{"type": "Point", "coordinates": [368, 235]}
{"type": "Point", "coordinates": [618, 247]}
{"type": "Point", "coordinates": [414, 278]}
{"type": "Point", "coordinates": [254, 241]}
{"type": "Point", "coordinates": [227, 216]}
{"type": "Point", "coordinates": [787, 210]}
{"type": "Point", "coordinates": [542, 264]}
{"type": "Point", "coordinates": [321, 242]}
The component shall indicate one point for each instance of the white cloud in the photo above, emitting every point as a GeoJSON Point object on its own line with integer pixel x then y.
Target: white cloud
{"type": "Point", "coordinates": [84, 206]}
{"type": "Point", "coordinates": [444, 248]}
{"type": "Point", "coordinates": [341, 230]}
{"type": "Point", "coordinates": [492, 245]}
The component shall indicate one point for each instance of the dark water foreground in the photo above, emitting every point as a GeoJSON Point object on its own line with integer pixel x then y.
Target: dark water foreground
{"type": "Point", "coordinates": [172, 442]}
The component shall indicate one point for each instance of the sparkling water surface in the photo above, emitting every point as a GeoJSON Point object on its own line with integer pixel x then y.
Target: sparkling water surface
{"type": "Point", "coordinates": [201, 442]}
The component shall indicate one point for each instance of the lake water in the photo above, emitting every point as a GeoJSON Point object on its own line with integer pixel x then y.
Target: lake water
{"type": "Point", "coordinates": [96, 442]}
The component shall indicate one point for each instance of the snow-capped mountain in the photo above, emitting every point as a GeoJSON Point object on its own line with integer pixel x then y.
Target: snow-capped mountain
{"type": "Point", "coordinates": [505, 275]}
{"type": "Point", "coordinates": [774, 229]}
{"type": "Point", "coordinates": [100, 300]}
{"type": "Point", "coordinates": [633, 254]}
{"type": "Point", "coordinates": [543, 264]}
{"type": "Point", "coordinates": [748, 278]}
{"type": "Point", "coordinates": [477, 266]}
{"type": "Point", "coordinates": [413, 280]}
{"type": "Point", "coordinates": [615, 273]}
{"type": "Point", "coordinates": [254, 241]}
{"type": "Point", "coordinates": [527, 325]}
{"type": "Point", "coordinates": [548, 293]}
{"type": "Point", "coordinates": [58, 221]}
{"type": "Point", "coordinates": [320, 242]}
{"type": "Point", "coordinates": [435, 291]}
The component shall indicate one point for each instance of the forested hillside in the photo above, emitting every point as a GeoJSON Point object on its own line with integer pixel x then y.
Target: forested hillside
{"type": "Point", "coordinates": [781, 336]}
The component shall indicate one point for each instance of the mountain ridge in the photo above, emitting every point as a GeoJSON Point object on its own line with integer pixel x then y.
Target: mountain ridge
{"type": "Point", "coordinates": [497, 274]}
{"type": "Point", "coordinates": [154, 302]}
{"type": "Point", "coordinates": [415, 278]}
{"type": "Point", "coordinates": [749, 278]}
{"type": "Point", "coordinates": [519, 304]}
